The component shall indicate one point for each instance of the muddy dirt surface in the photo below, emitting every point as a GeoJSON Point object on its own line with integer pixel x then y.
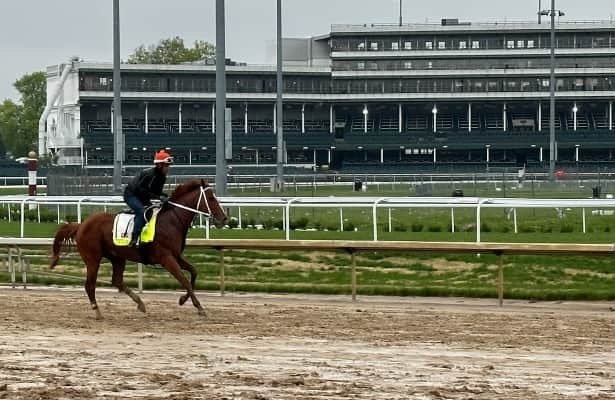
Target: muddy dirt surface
{"type": "Point", "coordinates": [302, 347]}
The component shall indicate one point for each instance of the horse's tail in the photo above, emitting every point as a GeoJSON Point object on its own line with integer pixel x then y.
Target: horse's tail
{"type": "Point", "coordinates": [65, 236]}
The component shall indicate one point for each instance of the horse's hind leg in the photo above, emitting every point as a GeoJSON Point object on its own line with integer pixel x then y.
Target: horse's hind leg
{"type": "Point", "coordinates": [93, 265]}
{"type": "Point", "coordinates": [117, 280]}
{"type": "Point", "coordinates": [185, 265]}
{"type": "Point", "coordinates": [173, 266]}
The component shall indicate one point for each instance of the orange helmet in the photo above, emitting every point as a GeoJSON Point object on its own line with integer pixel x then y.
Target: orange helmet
{"type": "Point", "coordinates": [163, 157]}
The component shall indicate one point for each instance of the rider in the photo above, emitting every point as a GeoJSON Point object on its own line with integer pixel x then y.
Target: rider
{"type": "Point", "coordinates": [144, 187]}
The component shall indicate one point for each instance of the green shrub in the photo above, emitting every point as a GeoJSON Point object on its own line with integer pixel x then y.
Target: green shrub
{"type": "Point", "coordinates": [233, 222]}
{"type": "Point", "coordinates": [434, 228]}
{"type": "Point", "coordinates": [484, 227]}
{"type": "Point", "coordinates": [607, 229]}
{"type": "Point", "coordinates": [527, 228]}
{"type": "Point", "coordinates": [349, 226]}
{"type": "Point", "coordinates": [546, 228]}
{"type": "Point", "coordinates": [505, 229]}
{"type": "Point", "coordinates": [299, 223]}
{"type": "Point", "coordinates": [400, 228]}
{"type": "Point", "coordinates": [416, 227]}
{"type": "Point", "coordinates": [567, 229]}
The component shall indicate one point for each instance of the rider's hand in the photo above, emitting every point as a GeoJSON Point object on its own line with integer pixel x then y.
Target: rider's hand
{"type": "Point", "coordinates": [164, 198]}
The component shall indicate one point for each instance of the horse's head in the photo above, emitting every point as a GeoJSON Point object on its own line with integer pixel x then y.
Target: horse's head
{"type": "Point", "coordinates": [211, 205]}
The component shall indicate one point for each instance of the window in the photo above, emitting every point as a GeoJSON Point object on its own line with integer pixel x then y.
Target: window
{"type": "Point", "coordinates": [545, 83]}
{"type": "Point", "coordinates": [475, 44]}
{"type": "Point", "coordinates": [510, 44]}
{"type": "Point", "coordinates": [373, 46]}
{"type": "Point", "coordinates": [429, 64]}
{"type": "Point", "coordinates": [408, 64]}
{"type": "Point", "coordinates": [395, 46]}
{"type": "Point", "coordinates": [361, 46]}
{"type": "Point", "coordinates": [361, 65]}
{"type": "Point", "coordinates": [408, 45]}
{"type": "Point", "coordinates": [441, 45]}
{"type": "Point", "coordinates": [520, 44]}
{"type": "Point", "coordinates": [462, 45]}
{"type": "Point", "coordinates": [429, 45]}
{"type": "Point", "coordinates": [530, 44]}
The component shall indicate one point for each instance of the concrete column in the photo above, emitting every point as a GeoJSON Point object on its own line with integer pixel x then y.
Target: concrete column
{"type": "Point", "coordinates": [331, 120]}
{"type": "Point", "coordinates": [540, 154]}
{"type": "Point", "coordinates": [539, 117]}
{"type": "Point", "coordinates": [576, 153]}
{"type": "Point", "coordinates": [329, 156]}
{"type": "Point", "coordinates": [434, 111]}
{"type": "Point", "coordinates": [610, 115]}
{"type": "Point", "coordinates": [180, 117]}
{"type": "Point", "coordinates": [434, 155]}
{"type": "Point", "coordinates": [245, 118]}
{"type": "Point", "coordinates": [314, 156]}
{"type": "Point", "coordinates": [469, 117]}
{"type": "Point", "coordinates": [275, 119]}
{"type": "Point", "coordinates": [256, 155]}
{"type": "Point", "coordinates": [504, 116]}
{"type": "Point", "coordinates": [303, 118]}
{"type": "Point", "coordinates": [381, 155]}
{"type": "Point", "coordinates": [401, 120]}
{"type": "Point", "coordinates": [213, 118]}
{"type": "Point", "coordinates": [488, 154]}
{"type": "Point", "coordinates": [574, 116]}
{"type": "Point", "coordinates": [146, 117]}
{"type": "Point", "coordinates": [365, 112]}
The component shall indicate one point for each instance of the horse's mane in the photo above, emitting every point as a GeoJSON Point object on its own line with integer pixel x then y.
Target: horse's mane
{"type": "Point", "coordinates": [184, 188]}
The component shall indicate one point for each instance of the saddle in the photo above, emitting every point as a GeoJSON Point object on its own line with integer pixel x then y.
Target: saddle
{"type": "Point", "coordinates": [123, 225]}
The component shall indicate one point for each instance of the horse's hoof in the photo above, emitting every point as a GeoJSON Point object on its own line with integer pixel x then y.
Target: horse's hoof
{"type": "Point", "coordinates": [202, 313]}
{"type": "Point", "coordinates": [183, 299]}
{"type": "Point", "coordinates": [141, 307]}
{"type": "Point", "coordinates": [99, 317]}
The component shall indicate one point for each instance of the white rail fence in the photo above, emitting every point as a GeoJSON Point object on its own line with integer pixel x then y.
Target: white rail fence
{"type": "Point", "coordinates": [287, 203]}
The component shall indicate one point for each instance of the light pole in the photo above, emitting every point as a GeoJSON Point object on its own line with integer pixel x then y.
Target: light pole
{"type": "Point", "coordinates": [400, 18]}
{"type": "Point", "coordinates": [278, 104]}
{"type": "Point", "coordinates": [118, 138]}
{"type": "Point", "coordinates": [551, 13]}
{"type": "Point", "coordinates": [221, 176]}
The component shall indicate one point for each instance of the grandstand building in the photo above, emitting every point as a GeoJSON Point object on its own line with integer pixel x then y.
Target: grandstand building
{"type": "Point", "coordinates": [378, 97]}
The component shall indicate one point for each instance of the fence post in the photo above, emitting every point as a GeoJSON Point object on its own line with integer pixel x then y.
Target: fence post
{"type": "Point", "coordinates": [240, 224]}
{"type": "Point", "coordinates": [500, 279]}
{"type": "Point", "coordinates": [515, 219]}
{"type": "Point", "coordinates": [341, 220]}
{"type": "Point", "coordinates": [140, 276]}
{"type": "Point", "coordinates": [390, 222]}
{"type": "Point", "coordinates": [222, 272]}
{"type": "Point", "coordinates": [452, 220]}
{"type": "Point", "coordinates": [207, 228]}
{"type": "Point", "coordinates": [584, 226]}
{"type": "Point", "coordinates": [11, 266]}
{"type": "Point", "coordinates": [353, 279]}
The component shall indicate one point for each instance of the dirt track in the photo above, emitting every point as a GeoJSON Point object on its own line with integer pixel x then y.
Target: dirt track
{"type": "Point", "coordinates": [302, 347]}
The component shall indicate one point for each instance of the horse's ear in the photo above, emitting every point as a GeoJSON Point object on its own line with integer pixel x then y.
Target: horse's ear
{"type": "Point", "coordinates": [203, 184]}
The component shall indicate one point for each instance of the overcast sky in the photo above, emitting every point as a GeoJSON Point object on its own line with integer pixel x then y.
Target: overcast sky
{"type": "Point", "coordinates": [38, 33]}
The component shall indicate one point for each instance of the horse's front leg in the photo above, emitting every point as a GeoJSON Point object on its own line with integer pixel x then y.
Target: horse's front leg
{"type": "Point", "coordinates": [186, 266]}
{"type": "Point", "coordinates": [173, 266]}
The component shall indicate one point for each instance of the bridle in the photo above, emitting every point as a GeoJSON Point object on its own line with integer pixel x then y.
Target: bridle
{"type": "Point", "coordinates": [197, 210]}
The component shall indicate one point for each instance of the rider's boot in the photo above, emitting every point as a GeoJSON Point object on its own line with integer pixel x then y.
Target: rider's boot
{"type": "Point", "coordinates": [134, 241]}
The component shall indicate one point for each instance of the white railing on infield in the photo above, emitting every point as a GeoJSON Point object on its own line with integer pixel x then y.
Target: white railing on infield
{"type": "Point", "coordinates": [287, 203]}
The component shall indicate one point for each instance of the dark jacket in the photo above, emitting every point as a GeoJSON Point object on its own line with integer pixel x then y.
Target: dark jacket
{"type": "Point", "coordinates": [146, 186]}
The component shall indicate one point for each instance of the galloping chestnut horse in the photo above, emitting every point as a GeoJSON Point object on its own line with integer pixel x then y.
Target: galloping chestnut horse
{"type": "Point", "coordinates": [94, 239]}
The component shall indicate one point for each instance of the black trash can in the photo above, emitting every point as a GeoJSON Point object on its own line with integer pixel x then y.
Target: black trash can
{"type": "Point", "coordinates": [357, 185]}
{"type": "Point", "coordinates": [596, 192]}
{"type": "Point", "coordinates": [457, 193]}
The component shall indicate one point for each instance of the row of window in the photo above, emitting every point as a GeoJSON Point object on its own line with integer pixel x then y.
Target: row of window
{"type": "Point", "coordinates": [463, 42]}
{"type": "Point", "coordinates": [309, 85]}
{"type": "Point", "coordinates": [478, 63]}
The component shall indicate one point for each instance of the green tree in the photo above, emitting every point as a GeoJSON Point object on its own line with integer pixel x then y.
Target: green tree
{"type": "Point", "coordinates": [171, 51]}
{"type": "Point", "coordinates": [19, 122]}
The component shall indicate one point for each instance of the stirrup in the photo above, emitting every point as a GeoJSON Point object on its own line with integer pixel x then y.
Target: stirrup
{"type": "Point", "coordinates": [134, 242]}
